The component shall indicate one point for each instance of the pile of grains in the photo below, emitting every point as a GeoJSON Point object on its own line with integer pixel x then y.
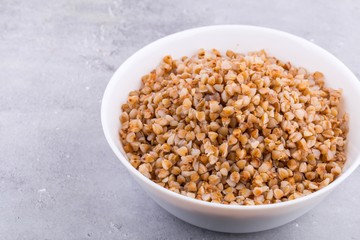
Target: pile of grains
{"type": "Point", "coordinates": [235, 129]}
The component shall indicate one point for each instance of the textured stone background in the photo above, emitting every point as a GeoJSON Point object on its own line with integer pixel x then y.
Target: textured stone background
{"type": "Point", "coordinates": [58, 177]}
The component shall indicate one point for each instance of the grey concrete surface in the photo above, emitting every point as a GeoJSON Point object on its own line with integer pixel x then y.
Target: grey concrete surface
{"type": "Point", "coordinates": [58, 177]}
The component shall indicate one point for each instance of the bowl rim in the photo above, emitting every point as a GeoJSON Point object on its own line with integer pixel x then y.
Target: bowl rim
{"type": "Point", "coordinates": [132, 59]}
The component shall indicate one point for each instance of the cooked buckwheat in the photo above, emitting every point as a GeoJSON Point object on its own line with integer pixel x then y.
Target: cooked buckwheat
{"type": "Point", "coordinates": [243, 129]}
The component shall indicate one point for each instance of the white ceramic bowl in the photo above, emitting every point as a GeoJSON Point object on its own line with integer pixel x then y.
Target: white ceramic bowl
{"type": "Point", "coordinates": [287, 47]}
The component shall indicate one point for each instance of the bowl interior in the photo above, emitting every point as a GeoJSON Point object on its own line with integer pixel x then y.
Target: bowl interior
{"type": "Point", "coordinates": [243, 39]}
